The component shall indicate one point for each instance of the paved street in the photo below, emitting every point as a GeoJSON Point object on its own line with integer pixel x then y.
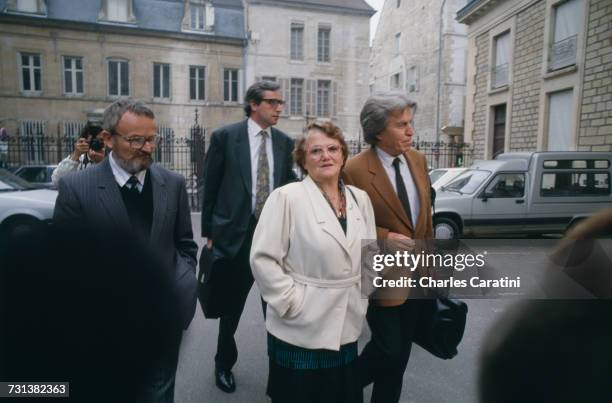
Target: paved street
{"type": "Point", "coordinates": [427, 380]}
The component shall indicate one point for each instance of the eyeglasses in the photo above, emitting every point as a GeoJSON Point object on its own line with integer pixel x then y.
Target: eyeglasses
{"type": "Point", "coordinates": [274, 102]}
{"type": "Point", "coordinates": [317, 151]}
{"type": "Point", "coordinates": [137, 141]}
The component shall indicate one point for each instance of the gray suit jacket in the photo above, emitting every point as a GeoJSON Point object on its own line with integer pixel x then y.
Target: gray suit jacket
{"type": "Point", "coordinates": [92, 198]}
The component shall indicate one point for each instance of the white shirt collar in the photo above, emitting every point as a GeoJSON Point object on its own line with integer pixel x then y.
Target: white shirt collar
{"type": "Point", "coordinates": [386, 158]}
{"type": "Point", "coordinates": [122, 176]}
{"type": "Point", "coordinates": [254, 129]}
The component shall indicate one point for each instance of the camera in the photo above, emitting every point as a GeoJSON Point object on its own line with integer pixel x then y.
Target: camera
{"type": "Point", "coordinates": [96, 145]}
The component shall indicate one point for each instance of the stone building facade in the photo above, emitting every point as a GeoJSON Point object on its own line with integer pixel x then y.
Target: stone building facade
{"type": "Point", "coordinates": [317, 50]}
{"type": "Point", "coordinates": [63, 61]}
{"type": "Point", "coordinates": [539, 75]}
{"type": "Point", "coordinates": [420, 49]}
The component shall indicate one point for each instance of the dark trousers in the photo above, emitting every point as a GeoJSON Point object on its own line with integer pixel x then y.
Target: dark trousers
{"type": "Point", "coordinates": [384, 359]}
{"type": "Point", "coordinates": [159, 386]}
{"type": "Point", "coordinates": [227, 351]}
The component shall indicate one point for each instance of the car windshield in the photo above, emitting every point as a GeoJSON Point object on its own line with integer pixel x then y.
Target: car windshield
{"type": "Point", "coordinates": [468, 181]}
{"type": "Point", "coordinates": [11, 182]}
{"type": "Point", "coordinates": [436, 174]}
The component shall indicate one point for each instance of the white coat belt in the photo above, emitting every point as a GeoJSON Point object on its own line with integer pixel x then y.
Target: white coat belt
{"type": "Point", "coordinates": [324, 283]}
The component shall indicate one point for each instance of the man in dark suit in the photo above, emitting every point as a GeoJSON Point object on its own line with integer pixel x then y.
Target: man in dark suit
{"type": "Point", "coordinates": [244, 163]}
{"type": "Point", "coordinates": [396, 179]}
{"type": "Point", "coordinates": [125, 194]}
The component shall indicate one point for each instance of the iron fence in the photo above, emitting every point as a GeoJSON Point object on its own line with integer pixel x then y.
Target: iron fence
{"type": "Point", "coordinates": [439, 154]}
{"type": "Point", "coordinates": [182, 154]}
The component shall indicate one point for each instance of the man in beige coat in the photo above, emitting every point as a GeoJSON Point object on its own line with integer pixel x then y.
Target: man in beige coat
{"type": "Point", "coordinates": [396, 179]}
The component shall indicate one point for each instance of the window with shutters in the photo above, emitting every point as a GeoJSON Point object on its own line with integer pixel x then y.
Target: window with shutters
{"type": "Point", "coordinates": [310, 98]}
{"type": "Point", "coordinates": [117, 10]}
{"type": "Point", "coordinates": [73, 75]}
{"type": "Point", "coordinates": [198, 17]}
{"type": "Point", "coordinates": [297, 97]}
{"type": "Point", "coordinates": [230, 85]}
{"type": "Point", "coordinates": [118, 77]}
{"type": "Point", "coordinates": [560, 111]}
{"type": "Point", "coordinates": [31, 72]}
{"type": "Point", "coordinates": [161, 80]}
{"type": "Point", "coordinates": [297, 41]}
{"type": "Point", "coordinates": [323, 98]}
{"type": "Point", "coordinates": [197, 83]}
{"type": "Point", "coordinates": [28, 6]}
{"type": "Point", "coordinates": [501, 60]}
{"type": "Point", "coordinates": [567, 17]}
{"type": "Point", "coordinates": [323, 44]}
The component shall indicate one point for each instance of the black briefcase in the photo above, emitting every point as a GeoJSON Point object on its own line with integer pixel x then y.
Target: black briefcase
{"type": "Point", "coordinates": [213, 297]}
{"type": "Point", "coordinates": [441, 325]}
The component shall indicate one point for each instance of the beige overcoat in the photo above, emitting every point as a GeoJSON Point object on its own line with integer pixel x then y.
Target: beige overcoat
{"type": "Point", "coordinates": [307, 269]}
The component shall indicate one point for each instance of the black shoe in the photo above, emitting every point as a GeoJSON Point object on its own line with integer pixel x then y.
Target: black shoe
{"type": "Point", "coordinates": [225, 380]}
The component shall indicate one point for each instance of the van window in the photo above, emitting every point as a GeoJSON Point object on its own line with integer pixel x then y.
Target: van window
{"type": "Point", "coordinates": [467, 182]}
{"type": "Point", "coordinates": [506, 185]}
{"type": "Point", "coordinates": [576, 164]}
{"type": "Point", "coordinates": [436, 174]}
{"type": "Point", "coordinates": [575, 184]}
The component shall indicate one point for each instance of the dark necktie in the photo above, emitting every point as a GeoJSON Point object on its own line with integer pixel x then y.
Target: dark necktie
{"type": "Point", "coordinates": [132, 185]}
{"type": "Point", "coordinates": [401, 189]}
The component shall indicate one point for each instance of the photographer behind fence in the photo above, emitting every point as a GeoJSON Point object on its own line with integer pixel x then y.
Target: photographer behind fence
{"type": "Point", "coordinates": [88, 151]}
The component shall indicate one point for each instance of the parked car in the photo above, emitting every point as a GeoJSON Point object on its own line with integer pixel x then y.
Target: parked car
{"type": "Point", "coordinates": [441, 176]}
{"type": "Point", "coordinates": [39, 175]}
{"type": "Point", "coordinates": [524, 193]}
{"type": "Point", "coordinates": [22, 204]}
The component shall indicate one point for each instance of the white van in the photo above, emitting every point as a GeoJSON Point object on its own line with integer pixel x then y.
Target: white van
{"type": "Point", "coordinates": [524, 193]}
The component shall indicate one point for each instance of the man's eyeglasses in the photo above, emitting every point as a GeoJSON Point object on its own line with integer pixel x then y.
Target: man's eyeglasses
{"type": "Point", "coordinates": [274, 102]}
{"type": "Point", "coordinates": [137, 142]}
{"type": "Point", "coordinates": [317, 151]}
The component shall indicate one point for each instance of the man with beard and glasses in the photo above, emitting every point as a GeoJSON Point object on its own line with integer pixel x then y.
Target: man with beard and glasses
{"type": "Point", "coordinates": [126, 195]}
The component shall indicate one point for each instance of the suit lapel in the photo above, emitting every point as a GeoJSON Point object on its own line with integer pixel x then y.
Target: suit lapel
{"type": "Point", "coordinates": [244, 157]}
{"type": "Point", "coordinates": [420, 183]}
{"type": "Point", "coordinates": [278, 150]}
{"type": "Point", "coordinates": [323, 213]}
{"type": "Point", "coordinates": [160, 202]}
{"type": "Point", "coordinates": [110, 195]}
{"type": "Point", "coordinates": [382, 184]}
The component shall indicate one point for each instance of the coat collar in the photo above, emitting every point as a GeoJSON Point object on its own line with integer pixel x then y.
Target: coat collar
{"type": "Point", "coordinates": [327, 219]}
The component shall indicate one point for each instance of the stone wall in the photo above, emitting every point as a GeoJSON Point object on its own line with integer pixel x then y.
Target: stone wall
{"type": "Point", "coordinates": [481, 95]}
{"type": "Point", "coordinates": [596, 113]}
{"type": "Point", "coordinates": [52, 106]}
{"type": "Point", "coordinates": [527, 74]}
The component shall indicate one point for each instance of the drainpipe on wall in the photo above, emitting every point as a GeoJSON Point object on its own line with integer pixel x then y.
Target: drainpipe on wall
{"type": "Point", "coordinates": [245, 51]}
{"type": "Point", "coordinates": [439, 75]}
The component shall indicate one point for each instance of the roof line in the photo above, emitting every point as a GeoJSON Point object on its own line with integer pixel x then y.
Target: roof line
{"type": "Point", "coordinates": [120, 29]}
{"type": "Point", "coordinates": [312, 6]}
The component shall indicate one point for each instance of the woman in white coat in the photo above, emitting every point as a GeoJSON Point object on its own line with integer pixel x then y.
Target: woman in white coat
{"type": "Point", "coordinates": [305, 258]}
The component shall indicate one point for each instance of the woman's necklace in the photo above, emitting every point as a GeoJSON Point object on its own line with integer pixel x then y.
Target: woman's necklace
{"type": "Point", "coordinates": [340, 210]}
